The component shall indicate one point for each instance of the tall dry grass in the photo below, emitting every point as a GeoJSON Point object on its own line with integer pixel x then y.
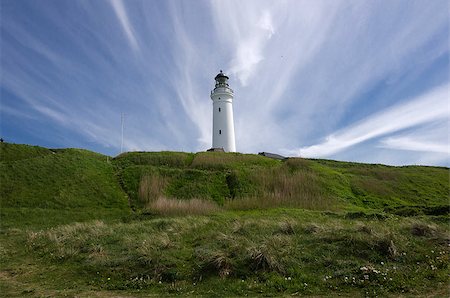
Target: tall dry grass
{"type": "Point", "coordinates": [151, 187]}
{"type": "Point", "coordinates": [165, 206]}
{"type": "Point", "coordinates": [281, 188]}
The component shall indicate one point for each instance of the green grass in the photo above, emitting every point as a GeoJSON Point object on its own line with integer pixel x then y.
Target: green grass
{"type": "Point", "coordinates": [281, 251]}
{"type": "Point", "coordinates": [12, 152]}
{"type": "Point", "coordinates": [78, 223]}
{"type": "Point", "coordinates": [251, 181]}
{"type": "Point", "coordinates": [66, 181]}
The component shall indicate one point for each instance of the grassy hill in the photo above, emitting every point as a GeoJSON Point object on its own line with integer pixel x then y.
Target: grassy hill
{"type": "Point", "coordinates": [39, 186]}
{"type": "Point", "coordinates": [78, 223]}
{"type": "Point", "coordinates": [246, 181]}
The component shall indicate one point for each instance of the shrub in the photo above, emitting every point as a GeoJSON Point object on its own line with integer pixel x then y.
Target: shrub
{"type": "Point", "coordinates": [233, 184]}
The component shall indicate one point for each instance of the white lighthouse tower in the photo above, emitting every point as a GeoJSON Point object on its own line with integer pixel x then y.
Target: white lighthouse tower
{"type": "Point", "coordinates": [223, 124]}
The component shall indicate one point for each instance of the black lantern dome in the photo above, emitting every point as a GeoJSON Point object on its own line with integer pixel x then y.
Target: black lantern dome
{"type": "Point", "coordinates": [221, 80]}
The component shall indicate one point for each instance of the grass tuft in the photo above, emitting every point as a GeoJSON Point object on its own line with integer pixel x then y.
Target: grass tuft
{"type": "Point", "coordinates": [266, 257]}
{"type": "Point", "coordinates": [286, 227]}
{"type": "Point", "coordinates": [214, 261]}
{"type": "Point", "coordinates": [423, 230]}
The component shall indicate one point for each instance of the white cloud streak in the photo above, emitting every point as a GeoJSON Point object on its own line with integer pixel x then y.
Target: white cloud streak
{"type": "Point", "coordinates": [321, 59]}
{"type": "Point", "coordinates": [122, 15]}
{"type": "Point", "coordinates": [247, 29]}
{"type": "Point", "coordinates": [423, 109]}
{"type": "Point", "coordinates": [412, 144]}
{"type": "Point", "coordinates": [298, 68]}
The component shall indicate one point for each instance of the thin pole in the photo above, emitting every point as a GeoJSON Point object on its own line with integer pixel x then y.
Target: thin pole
{"type": "Point", "coordinates": [121, 124]}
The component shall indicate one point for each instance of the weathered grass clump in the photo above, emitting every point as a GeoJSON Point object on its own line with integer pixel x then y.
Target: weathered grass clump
{"type": "Point", "coordinates": [287, 227]}
{"type": "Point", "coordinates": [268, 255]}
{"type": "Point", "coordinates": [217, 261]}
{"type": "Point", "coordinates": [424, 230]}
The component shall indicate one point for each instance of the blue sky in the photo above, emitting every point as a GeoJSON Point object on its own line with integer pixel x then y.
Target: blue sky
{"type": "Point", "coordinates": [363, 81]}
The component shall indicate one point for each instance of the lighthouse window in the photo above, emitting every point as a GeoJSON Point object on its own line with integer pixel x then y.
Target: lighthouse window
{"type": "Point", "coordinates": [220, 131]}
{"type": "Point", "coordinates": [219, 109]}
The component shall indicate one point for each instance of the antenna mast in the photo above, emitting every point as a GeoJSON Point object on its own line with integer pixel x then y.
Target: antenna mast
{"type": "Point", "coordinates": [122, 118]}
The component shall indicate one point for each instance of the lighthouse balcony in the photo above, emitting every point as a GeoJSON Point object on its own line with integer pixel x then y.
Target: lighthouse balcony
{"type": "Point", "coordinates": [222, 90]}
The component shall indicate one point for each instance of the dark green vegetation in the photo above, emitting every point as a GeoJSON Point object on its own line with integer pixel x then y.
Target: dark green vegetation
{"type": "Point", "coordinates": [79, 223]}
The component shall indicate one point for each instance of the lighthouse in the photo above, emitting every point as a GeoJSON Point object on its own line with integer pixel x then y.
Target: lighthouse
{"type": "Point", "coordinates": [223, 124]}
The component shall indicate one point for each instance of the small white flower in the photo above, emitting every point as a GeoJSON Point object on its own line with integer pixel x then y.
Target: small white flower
{"type": "Point", "coordinates": [382, 263]}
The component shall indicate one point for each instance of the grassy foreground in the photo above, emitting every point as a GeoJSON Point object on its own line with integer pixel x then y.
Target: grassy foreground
{"type": "Point", "coordinates": [210, 224]}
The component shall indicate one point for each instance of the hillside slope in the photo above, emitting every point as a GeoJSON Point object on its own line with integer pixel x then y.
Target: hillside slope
{"type": "Point", "coordinates": [39, 185]}
{"type": "Point", "coordinates": [245, 181]}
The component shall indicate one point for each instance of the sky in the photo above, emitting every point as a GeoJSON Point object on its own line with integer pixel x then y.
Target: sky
{"type": "Point", "coordinates": [363, 81]}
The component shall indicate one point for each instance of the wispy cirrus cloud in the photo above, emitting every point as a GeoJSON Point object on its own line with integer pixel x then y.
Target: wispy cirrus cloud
{"type": "Point", "coordinates": [412, 144]}
{"type": "Point", "coordinates": [245, 30]}
{"type": "Point", "coordinates": [122, 15]}
{"type": "Point", "coordinates": [301, 71]}
{"type": "Point", "coordinates": [423, 109]}
{"type": "Point", "coordinates": [249, 50]}
{"type": "Point", "coordinates": [320, 60]}
{"type": "Point", "coordinates": [431, 138]}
